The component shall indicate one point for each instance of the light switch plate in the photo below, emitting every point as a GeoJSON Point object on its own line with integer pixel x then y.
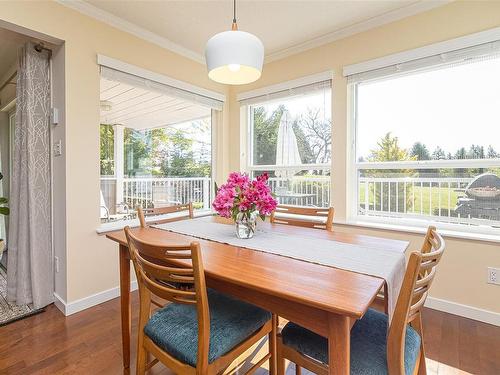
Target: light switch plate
{"type": "Point", "coordinates": [58, 148]}
{"type": "Point", "coordinates": [493, 275]}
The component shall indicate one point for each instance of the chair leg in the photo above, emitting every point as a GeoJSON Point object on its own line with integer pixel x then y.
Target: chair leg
{"type": "Point", "coordinates": [418, 326]}
{"type": "Point", "coordinates": [279, 357]}
{"type": "Point", "coordinates": [142, 358]}
{"type": "Point", "coordinates": [272, 345]}
{"type": "Point", "coordinates": [422, 368]}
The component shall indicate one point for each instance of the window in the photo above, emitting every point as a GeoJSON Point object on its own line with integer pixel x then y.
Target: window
{"type": "Point", "coordinates": [290, 138]}
{"type": "Point", "coordinates": [155, 147]}
{"type": "Point", "coordinates": [427, 140]}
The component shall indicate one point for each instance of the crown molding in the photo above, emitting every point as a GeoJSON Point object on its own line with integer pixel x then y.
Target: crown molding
{"type": "Point", "coordinates": [131, 28]}
{"type": "Point", "coordinates": [382, 19]}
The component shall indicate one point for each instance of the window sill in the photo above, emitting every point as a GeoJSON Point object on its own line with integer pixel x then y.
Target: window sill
{"type": "Point", "coordinates": [120, 224]}
{"type": "Point", "coordinates": [491, 235]}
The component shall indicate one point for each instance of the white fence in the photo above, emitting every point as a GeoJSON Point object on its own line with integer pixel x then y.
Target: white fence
{"type": "Point", "coordinates": [411, 195]}
{"type": "Point", "coordinates": [302, 190]}
{"type": "Point", "coordinates": [379, 196]}
{"type": "Point", "coordinates": [149, 192]}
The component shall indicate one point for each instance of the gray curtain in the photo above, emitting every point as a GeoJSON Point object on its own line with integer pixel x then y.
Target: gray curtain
{"type": "Point", "coordinates": [30, 277]}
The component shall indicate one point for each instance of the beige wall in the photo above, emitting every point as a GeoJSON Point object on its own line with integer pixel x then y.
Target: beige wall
{"type": "Point", "coordinates": [462, 274]}
{"type": "Point", "coordinates": [91, 260]}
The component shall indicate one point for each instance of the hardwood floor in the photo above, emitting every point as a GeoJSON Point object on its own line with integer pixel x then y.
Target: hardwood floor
{"type": "Point", "coordinates": [89, 343]}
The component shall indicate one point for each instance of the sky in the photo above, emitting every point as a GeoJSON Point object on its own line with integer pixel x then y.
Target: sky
{"type": "Point", "coordinates": [451, 108]}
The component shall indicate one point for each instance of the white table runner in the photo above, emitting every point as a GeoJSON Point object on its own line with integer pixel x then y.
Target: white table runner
{"type": "Point", "coordinates": [387, 264]}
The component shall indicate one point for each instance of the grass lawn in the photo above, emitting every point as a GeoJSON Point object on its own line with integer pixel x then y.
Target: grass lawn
{"type": "Point", "coordinates": [426, 199]}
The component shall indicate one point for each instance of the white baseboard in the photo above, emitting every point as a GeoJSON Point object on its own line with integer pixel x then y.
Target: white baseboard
{"type": "Point", "coordinates": [69, 308]}
{"type": "Point", "coordinates": [454, 308]}
{"type": "Point", "coordinates": [465, 311]}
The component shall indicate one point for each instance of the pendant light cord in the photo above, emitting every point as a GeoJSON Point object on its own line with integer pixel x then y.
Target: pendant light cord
{"type": "Point", "coordinates": [234, 11]}
{"type": "Point", "coordinates": [234, 26]}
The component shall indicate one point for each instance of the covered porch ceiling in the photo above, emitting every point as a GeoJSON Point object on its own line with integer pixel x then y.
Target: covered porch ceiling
{"type": "Point", "coordinates": [138, 108]}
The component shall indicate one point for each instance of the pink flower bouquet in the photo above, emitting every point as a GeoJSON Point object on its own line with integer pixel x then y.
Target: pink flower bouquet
{"type": "Point", "coordinates": [241, 197]}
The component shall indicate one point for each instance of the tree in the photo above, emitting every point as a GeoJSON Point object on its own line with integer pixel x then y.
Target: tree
{"type": "Point", "coordinates": [420, 151]}
{"type": "Point", "coordinates": [138, 148]}
{"type": "Point", "coordinates": [313, 135]}
{"type": "Point", "coordinates": [389, 150]}
{"type": "Point", "coordinates": [476, 152]}
{"type": "Point", "coordinates": [265, 130]}
{"type": "Point", "coordinates": [306, 154]}
{"type": "Point", "coordinates": [107, 150]}
{"type": "Point", "coordinates": [492, 154]}
{"type": "Point", "coordinates": [179, 158]}
{"type": "Point", "coordinates": [461, 154]}
{"type": "Point", "coordinates": [318, 133]}
{"type": "Point", "coordinates": [438, 154]}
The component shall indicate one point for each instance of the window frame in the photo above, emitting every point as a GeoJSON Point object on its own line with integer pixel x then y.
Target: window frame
{"type": "Point", "coordinates": [251, 167]}
{"type": "Point", "coordinates": [418, 222]}
{"type": "Point", "coordinates": [207, 98]}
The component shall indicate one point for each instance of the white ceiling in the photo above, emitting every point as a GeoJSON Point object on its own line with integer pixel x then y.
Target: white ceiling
{"type": "Point", "coordinates": [285, 27]}
{"type": "Point", "coordinates": [137, 108]}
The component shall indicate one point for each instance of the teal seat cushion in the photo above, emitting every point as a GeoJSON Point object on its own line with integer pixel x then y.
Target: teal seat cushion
{"type": "Point", "coordinates": [174, 328]}
{"type": "Point", "coordinates": [368, 344]}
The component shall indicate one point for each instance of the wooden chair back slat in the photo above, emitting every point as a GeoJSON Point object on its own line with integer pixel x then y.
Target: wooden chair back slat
{"type": "Point", "coordinates": [296, 220]}
{"type": "Point", "coordinates": [154, 264]}
{"type": "Point", "coordinates": [156, 275]}
{"type": "Point", "coordinates": [166, 273]}
{"type": "Point", "coordinates": [425, 281]}
{"type": "Point", "coordinates": [169, 293]}
{"type": "Point", "coordinates": [419, 275]}
{"type": "Point", "coordinates": [151, 212]}
{"type": "Point", "coordinates": [415, 307]}
{"type": "Point", "coordinates": [427, 245]}
{"type": "Point", "coordinates": [165, 252]}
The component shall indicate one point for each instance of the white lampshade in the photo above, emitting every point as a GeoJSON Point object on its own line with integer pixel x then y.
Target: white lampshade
{"type": "Point", "coordinates": [234, 57]}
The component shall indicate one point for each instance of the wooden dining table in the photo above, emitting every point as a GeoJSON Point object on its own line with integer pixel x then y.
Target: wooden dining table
{"type": "Point", "coordinates": [323, 299]}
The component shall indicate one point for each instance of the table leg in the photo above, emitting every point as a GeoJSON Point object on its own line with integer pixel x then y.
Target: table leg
{"type": "Point", "coordinates": [125, 304]}
{"type": "Point", "coordinates": [386, 299]}
{"type": "Point", "coordinates": [339, 344]}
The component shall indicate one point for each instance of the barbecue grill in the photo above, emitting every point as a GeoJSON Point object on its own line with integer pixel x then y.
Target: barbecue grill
{"type": "Point", "coordinates": [482, 198]}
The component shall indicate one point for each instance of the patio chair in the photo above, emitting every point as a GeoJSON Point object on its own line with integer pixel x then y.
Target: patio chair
{"type": "Point", "coordinates": [106, 215]}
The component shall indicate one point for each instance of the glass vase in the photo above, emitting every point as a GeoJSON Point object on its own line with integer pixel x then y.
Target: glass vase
{"type": "Point", "coordinates": [245, 225]}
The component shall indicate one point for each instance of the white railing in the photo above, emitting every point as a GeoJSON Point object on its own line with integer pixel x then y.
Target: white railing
{"type": "Point", "coordinates": [411, 195]}
{"type": "Point", "coordinates": [149, 192]}
{"type": "Point", "coordinates": [302, 190]}
{"type": "Point", "coordinates": [414, 198]}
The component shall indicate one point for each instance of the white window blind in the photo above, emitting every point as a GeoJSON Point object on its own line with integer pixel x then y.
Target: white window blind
{"type": "Point", "coordinates": [148, 84]}
{"type": "Point", "coordinates": [296, 87]}
{"type": "Point", "coordinates": [454, 57]}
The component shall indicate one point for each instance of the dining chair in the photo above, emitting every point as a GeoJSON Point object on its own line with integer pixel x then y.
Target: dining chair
{"type": "Point", "coordinates": [200, 331]}
{"type": "Point", "coordinates": [377, 345]}
{"type": "Point", "coordinates": [186, 209]}
{"type": "Point", "coordinates": [309, 217]}
{"type": "Point", "coordinates": [425, 248]}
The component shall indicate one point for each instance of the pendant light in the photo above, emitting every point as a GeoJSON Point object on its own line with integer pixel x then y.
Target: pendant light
{"type": "Point", "coordinates": [234, 57]}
